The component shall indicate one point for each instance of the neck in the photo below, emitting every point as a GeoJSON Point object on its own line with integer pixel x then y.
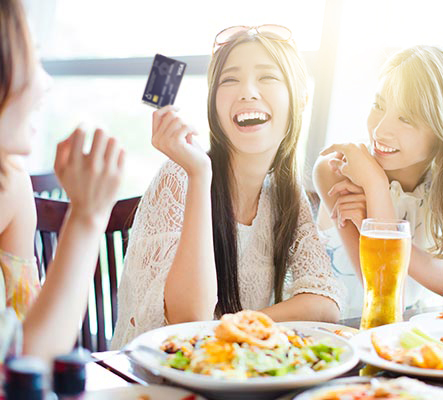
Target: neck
{"type": "Point", "coordinates": [249, 172]}
{"type": "Point", "coordinates": [409, 177]}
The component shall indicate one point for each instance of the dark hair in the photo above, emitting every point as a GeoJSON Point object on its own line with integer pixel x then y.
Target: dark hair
{"type": "Point", "coordinates": [287, 191]}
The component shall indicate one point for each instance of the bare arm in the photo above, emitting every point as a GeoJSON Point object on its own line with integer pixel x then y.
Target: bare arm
{"type": "Point", "coordinates": [91, 182]}
{"type": "Point", "coordinates": [191, 285]}
{"type": "Point", "coordinates": [361, 170]}
{"type": "Point", "coordinates": [324, 179]}
{"type": "Point", "coordinates": [304, 307]}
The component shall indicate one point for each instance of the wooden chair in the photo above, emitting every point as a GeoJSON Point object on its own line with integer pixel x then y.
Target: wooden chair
{"type": "Point", "coordinates": [50, 216]}
{"type": "Point", "coordinates": [47, 183]}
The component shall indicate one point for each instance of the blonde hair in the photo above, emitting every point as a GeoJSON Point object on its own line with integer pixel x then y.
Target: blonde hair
{"type": "Point", "coordinates": [413, 79]}
{"type": "Point", "coordinates": [287, 190]}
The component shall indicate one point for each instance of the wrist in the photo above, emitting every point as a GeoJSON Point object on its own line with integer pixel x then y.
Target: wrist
{"type": "Point", "coordinates": [377, 183]}
{"type": "Point", "coordinates": [203, 174]}
{"type": "Point", "coordinates": [89, 220]}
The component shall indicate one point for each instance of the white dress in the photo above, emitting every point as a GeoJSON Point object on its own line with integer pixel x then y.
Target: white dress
{"type": "Point", "coordinates": [153, 243]}
{"type": "Point", "coordinates": [408, 206]}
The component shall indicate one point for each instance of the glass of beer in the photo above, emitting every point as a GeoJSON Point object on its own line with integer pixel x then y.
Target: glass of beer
{"type": "Point", "coordinates": [385, 250]}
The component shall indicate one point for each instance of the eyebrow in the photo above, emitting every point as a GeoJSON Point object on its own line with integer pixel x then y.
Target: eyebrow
{"type": "Point", "coordinates": [258, 66]}
{"type": "Point", "coordinates": [378, 96]}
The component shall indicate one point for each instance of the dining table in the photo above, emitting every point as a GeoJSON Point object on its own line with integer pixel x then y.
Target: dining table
{"type": "Point", "coordinates": [116, 369]}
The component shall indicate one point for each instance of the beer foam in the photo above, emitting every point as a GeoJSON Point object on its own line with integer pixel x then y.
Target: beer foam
{"type": "Point", "coordinates": [378, 234]}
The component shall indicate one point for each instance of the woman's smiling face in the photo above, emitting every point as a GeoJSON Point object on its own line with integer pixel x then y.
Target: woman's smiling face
{"type": "Point", "coordinates": [252, 100]}
{"type": "Point", "coordinates": [397, 142]}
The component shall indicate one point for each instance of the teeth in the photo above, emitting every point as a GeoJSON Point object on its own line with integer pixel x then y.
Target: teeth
{"type": "Point", "coordinates": [251, 115]}
{"type": "Point", "coordinates": [384, 149]}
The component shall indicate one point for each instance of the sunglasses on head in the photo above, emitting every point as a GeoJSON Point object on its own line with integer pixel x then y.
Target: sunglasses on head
{"type": "Point", "coordinates": [274, 32]}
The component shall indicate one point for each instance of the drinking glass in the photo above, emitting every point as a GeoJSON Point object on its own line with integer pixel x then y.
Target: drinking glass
{"type": "Point", "coordinates": [385, 250]}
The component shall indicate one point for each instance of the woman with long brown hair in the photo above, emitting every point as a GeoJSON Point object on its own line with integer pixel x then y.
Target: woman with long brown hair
{"type": "Point", "coordinates": [232, 229]}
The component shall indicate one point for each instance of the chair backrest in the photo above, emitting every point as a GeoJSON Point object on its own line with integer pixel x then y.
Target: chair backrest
{"type": "Point", "coordinates": [49, 183]}
{"type": "Point", "coordinates": [101, 315]}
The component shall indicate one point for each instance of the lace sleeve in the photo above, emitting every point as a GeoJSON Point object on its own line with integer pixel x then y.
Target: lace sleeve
{"type": "Point", "coordinates": [151, 250]}
{"type": "Point", "coordinates": [309, 268]}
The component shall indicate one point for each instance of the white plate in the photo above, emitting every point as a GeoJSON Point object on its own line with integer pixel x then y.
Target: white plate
{"type": "Point", "coordinates": [410, 385]}
{"type": "Point", "coordinates": [134, 392]}
{"type": "Point", "coordinates": [324, 326]}
{"type": "Point", "coordinates": [426, 317]}
{"type": "Point", "coordinates": [390, 334]}
{"type": "Point", "coordinates": [155, 337]}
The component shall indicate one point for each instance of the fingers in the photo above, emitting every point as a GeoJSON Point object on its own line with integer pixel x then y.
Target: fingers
{"type": "Point", "coordinates": [78, 139]}
{"type": "Point", "coordinates": [352, 202]}
{"type": "Point", "coordinates": [111, 154]}
{"type": "Point", "coordinates": [62, 155]}
{"type": "Point", "coordinates": [345, 186]}
{"type": "Point", "coordinates": [159, 116]}
{"type": "Point", "coordinates": [339, 148]}
{"type": "Point", "coordinates": [355, 216]}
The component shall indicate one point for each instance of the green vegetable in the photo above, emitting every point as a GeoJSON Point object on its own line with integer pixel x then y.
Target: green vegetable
{"type": "Point", "coordinates": [415, 338]}
{"type": "Point", "coordinates": [178, 361]}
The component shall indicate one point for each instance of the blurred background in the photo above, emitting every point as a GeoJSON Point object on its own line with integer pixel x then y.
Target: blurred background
{"type": "Point", "coordinates": [99, 53]}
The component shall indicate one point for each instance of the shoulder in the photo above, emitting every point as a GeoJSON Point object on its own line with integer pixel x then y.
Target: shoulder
{"type": "Point", "coordinates": [168, 185]}
{"type": "Point", "coordinates": [16, 197]}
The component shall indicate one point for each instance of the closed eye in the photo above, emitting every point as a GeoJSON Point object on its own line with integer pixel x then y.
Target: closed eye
{"type": "Point", "coordinates": [269, 77]}
{"type": "Point", "coordinates": [405, 120]}
{"type": "Point", "coordinates": [228, 80]}
{"type": "Point", "coordinates": [377, 106]}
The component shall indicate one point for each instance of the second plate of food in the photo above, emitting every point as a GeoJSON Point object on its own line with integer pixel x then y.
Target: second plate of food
{"type": "Point", "coordinates": [402, 348]}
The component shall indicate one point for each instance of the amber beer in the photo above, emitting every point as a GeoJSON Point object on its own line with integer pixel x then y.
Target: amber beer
{"type": "Point", "coordinates": [384, 260]}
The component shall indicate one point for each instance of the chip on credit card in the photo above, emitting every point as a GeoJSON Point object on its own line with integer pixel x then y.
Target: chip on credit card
{"type": "Point", "coordinates": [163, 82]}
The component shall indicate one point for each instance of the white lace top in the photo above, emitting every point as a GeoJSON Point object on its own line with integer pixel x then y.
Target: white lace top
{"type": "Point", "coordinates": [153, 243]}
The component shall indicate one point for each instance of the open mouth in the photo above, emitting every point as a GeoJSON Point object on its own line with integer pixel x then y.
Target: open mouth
{"type": "Point", "coordinates": [251, 118]}
{"type": "Point", "coordinates": [384, 149]}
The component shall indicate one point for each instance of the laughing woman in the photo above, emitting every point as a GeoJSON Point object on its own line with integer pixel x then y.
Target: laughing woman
{"type": "Point", "coordinates": [232, 229]}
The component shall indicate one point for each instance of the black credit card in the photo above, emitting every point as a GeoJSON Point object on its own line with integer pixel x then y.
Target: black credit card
{"type": "Point", "coordinates": [163, 82]}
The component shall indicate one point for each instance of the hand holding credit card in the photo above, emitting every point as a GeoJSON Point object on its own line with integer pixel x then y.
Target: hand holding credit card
{"type": "Point", "coordinates": [163, 82]}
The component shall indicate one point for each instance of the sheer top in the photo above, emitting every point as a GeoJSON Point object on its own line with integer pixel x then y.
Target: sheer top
{"type": "Point", "coordinates": [155, 236]}
{"type": "Point", "coordinates": [19, 283]}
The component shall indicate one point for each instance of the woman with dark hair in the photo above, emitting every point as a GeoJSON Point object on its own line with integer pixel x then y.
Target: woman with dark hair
{"type": "Point", "coordinates": [91, 182]}
{"type": "Point", "coordinates": [229, 230]}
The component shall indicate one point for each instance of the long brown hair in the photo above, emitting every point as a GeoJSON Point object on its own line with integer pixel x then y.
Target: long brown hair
{"type": "Point", "coordinates": [283, 168]}
{"type": "Point", "coordinates": [414, 79]}
{"type": "Point", "coordinates": [15, 50]}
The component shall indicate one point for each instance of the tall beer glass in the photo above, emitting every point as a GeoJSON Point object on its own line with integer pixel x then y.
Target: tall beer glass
{"type": "Point", "coordinates": [385, 250]}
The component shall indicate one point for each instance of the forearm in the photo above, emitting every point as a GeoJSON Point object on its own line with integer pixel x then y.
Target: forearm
{"type": "Point", "coordinates": [426, 270]}
{"type": "Point", "coordinates": [304, 307]}
{"type": "Point", "coordinates": [51, 326]}
{"type": "Point", "coordinates": [191, 285]}
{"type": "Point", "coordinates": [378, 199]}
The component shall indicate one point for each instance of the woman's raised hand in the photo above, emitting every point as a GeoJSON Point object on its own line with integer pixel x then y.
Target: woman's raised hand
{"type": "Point", "coordinates": [175, 139]}
{"type": "Point", "coordinates": [90, 180]}
{"type": "Point", "coordinates": [350, 204]}
{"type": "Point", "coordinates": [355, 162]}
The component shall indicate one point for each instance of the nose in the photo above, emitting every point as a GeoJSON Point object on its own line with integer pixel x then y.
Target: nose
{"type": "Point", "coordinates": [249, 91]}
{"type": "Point", "coordinates": [384, 128]}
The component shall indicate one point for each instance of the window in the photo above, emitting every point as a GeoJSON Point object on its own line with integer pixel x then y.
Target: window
{"type": "Point", "coordinates": [98, 55]}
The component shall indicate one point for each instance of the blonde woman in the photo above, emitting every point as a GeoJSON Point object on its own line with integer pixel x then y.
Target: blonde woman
{"type": "Point", "coordinates": [91, 182]}
{"type": "Point", "coordinates": [400, 174]}
{"type": "Point", "coordinates": [232, 229]}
